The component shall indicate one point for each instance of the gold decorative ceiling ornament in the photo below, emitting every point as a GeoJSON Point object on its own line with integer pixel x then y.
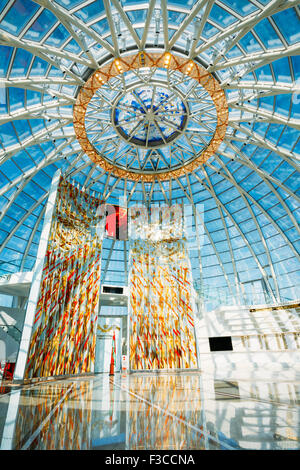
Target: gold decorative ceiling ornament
{"type": "Point", "coordinates": [139, 60]}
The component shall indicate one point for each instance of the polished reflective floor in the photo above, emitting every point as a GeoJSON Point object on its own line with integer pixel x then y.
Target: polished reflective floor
{"type": "Point", "coordinates": [185, 410]}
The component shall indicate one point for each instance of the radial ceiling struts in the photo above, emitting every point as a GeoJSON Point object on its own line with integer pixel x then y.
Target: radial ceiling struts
{"type": "Point", "coordinates": [150, 150]}
{"type": "Point", "coordinates": [209, 118]}
{"type": "Point", "coordinates": [150, 115]}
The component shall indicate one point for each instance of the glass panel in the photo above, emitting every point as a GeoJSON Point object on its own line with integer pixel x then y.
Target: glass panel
{"type": "Point", "coordinates": [18, 16]}
{"type": "Point", "coordinates": [21, 63]}
{"type": "Point", "coordinates": [267, 34]}
{"type": "Point", "coordinates": [282, 70]}
{"type": "Point", "coordinates": [288, 24]}
{"type": "Point", "coordinates": [221, 16]}
{"type": "Point", "coordinates": [22, 129]}
{"type": "Point", "coordinates": [39, 67]}
{"type": "Point", "coordinates": [101, 27]}
{"type": "Point", "coordinates": [250, 44]}
{"type": "Point", "coordinates": [32, 97]}
{"type": "Point", "coordinates": [58, 37]}
{"type": "Point", "coordinates": [174, 17]}
{"type": "Point", "coordinates": [8, 135]}
{"type": "Point", "coordinates": [288, 138]}
{"type": "Point", "coordinates": [282, 104]}
{"type": "Point", "coordinates": [69, 4]}
{"type": "Point", "coordinates": [16, 98]}
{"type": "Point", "coordinates": [264, 74]}
{"type": "Point", "coordinates": [209, 30]}
{"type": "Point", "coordinates": [137, 16]}
{"type": "Point", "coordinates": [41, 26]}
{"type": "Point", "coordinates": [3, 100]}
{"type": "Point", "coordinates": [23, 161]}
{"type": "Point", "coordinates": [179, 3]}
{"type": "Point", "coordinates": [73, 47]}
{"type": "Point", "coordinates": [91, 12]}
{"type": "Point", "coordinates": [5, 55]}
{"type": "Point", "coordinates": [242, 7]}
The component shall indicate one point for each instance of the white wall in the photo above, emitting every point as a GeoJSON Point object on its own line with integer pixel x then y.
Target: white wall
{"type": "Point", "coordinates": [258, 338]}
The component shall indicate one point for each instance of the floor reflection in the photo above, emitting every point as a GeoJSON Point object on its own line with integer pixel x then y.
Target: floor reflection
{"type": "Point", "coordinates": [186, 410]}
{"type": "Point", "coordinates": [54, 416]}
{"type": "Point", "coordinates": [167, 413]}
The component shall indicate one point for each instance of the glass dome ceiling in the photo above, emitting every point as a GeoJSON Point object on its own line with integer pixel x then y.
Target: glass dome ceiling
{"type": "Point", "coordinates": [150, 116]}
{"type": "Point", "coordinates": [246, 196]}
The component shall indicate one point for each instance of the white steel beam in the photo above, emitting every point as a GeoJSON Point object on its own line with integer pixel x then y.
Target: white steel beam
{"type": "Point", "coordinates": [190, 198]}
{"type": "Point", "coordinates": [41, 85]}
{"type": "Point", "coordinates": [164, 12]}
{"type": "Point", "coordinates": [188, 19]}
{"type": "Point", "coordinates": [42, 51]}
{"type": "Point", "coordinates": [55, 155]}
{"type": "Point", "coordinates": [36, 138]}
{"type": "Point", "coordinates": [127, 23]}
{"type": "Point", "coordinates": [212, 191]}
{"type": "Point", "coordinates": [38, 112]}
{"type": "Point", "coordinates": [260, 267]}
{"type": "Point", "coordinates": [241, 158]}
{"type": "Point", "coordinates": [256, 60]}
{"type": "Point", "coordinates": [262, 89]}
{"type": "Point", "coordinates": [257, 204]}
{"type": "Point", "coordinates": [247, 24]}
{"type": "Point", "coordinates": [200, 28]}
{"type": "Point", "coordinates": [111, 26]}
{"type": "Point", "coordinates": [147, 23]}
{"type": "Point", "coordinates": [255, 139]}
{"type": "Point", "coordinates": [266, 116]}
{"type": "Point", "coordinates": [63, 14]}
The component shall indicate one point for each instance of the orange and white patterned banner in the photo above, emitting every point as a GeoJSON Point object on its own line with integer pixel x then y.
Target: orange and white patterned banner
{"type": "Point", "coordinates": [161, 304]}
{"type": "Point", "coordinates": [64, 331]}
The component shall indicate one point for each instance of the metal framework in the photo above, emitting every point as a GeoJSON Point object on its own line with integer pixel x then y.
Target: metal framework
{"type": "Point", "coordinates": [150, 60]}
{"type": "Point", "coordinates": [248, 125]}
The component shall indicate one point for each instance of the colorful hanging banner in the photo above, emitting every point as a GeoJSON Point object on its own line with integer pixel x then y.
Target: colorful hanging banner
{"type": "Point", "coordinates": [161, 304]}
{"type": "Point", "coordinates": [64, 331]}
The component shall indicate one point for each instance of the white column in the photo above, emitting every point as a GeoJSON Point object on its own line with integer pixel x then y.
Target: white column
{"type": "Point", "coordinates": [10, 422]}
{"type": "Point", "coordinates": [36, 281]}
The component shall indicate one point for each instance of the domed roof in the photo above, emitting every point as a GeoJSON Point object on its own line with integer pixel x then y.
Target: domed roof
{"type": "Point", "coordinates": [198, 103]}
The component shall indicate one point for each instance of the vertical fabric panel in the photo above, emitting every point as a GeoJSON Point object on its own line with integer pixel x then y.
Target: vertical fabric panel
{"type": "Point", "coordinates": [64, 332]}
{"type": "Point", "coordinates": [161, 307]}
